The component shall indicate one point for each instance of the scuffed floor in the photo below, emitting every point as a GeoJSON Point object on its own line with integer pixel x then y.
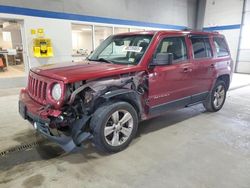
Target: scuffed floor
{"type": "Point", "coordinates": [188, 148]}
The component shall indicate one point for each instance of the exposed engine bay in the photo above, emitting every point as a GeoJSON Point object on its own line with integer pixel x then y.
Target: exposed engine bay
{"type": "Point", "coordinates": [84, 97]}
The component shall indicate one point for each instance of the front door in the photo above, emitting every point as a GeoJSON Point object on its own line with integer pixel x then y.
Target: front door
{"type": "Point", "coordinates": [171, 86]}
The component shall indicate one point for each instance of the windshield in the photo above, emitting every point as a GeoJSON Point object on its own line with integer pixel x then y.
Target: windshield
{"type": "Point", "coordinates": [122, 49]}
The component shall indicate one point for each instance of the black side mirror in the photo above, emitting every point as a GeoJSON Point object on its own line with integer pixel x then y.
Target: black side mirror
{"type": "Point", "coordinates": [162, 59]}
{"type": "Point", "coordinates": [119, 42]}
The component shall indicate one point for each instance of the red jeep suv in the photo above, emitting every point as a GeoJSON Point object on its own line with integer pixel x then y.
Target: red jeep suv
{"type": "Point", "coordinates": [130, 77]}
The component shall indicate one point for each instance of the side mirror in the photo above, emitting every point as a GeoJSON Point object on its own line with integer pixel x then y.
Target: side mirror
{"type": "Point", "coordinates": [162, 59]}
{"type": "Point", "coordinates": [119, 42]}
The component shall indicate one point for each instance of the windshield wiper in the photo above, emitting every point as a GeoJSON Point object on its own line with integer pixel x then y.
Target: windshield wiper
{"type": "Point", "coordinates": [101, 59]}
{"type": "Point", "coordinates": [104, 60]}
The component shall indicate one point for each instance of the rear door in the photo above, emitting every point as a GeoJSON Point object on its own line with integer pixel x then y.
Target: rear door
{"type": "Point", "coordinates": [204, 65]}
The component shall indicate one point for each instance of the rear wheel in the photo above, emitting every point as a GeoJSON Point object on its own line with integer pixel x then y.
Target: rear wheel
{"type": "Point", "coordinates": [114, 126]}
{"type": "Point", "coordinates": [216, 98]}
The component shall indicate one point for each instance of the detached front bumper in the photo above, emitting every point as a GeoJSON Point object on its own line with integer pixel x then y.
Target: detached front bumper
{"type": "Point", "coordinates": [41, 118]}
{"type": "Point", "coordinates": [65, 142]}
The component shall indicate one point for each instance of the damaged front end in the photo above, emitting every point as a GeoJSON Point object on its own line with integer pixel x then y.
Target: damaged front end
{"type": "Point", "coordinates": [70, 128]}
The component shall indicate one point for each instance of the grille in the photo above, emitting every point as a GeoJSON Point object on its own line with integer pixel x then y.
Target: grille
{"type": "Point", "coordinates": [37, 89]}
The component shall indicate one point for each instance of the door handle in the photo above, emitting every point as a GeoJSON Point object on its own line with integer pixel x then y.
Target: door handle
{"type": "Point", "coordinates": [186, 69]}
{"type": "Point", "coordinates": [212, 66]}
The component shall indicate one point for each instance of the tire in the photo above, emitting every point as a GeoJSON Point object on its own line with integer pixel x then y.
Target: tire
{"type": "Point", "coordinates": [210, 103]}
{"type": "Point", "coordinates": [111, 117]}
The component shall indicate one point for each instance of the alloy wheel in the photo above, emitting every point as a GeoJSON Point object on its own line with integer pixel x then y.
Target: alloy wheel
{"type": "Point", "coordinates": [118, 128]}
{"type": "Point", "coordinates": [219, 96]}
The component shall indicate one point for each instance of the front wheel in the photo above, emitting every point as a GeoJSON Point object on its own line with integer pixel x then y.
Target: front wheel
{"type": "Point", "coordinates": [114, 126]}
{"type": "Point", "coordinates": [216, 97]}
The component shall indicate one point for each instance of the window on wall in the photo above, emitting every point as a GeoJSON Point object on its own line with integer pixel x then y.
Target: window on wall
{"type": "Point", "coordinates": [82, 39]}
{"type": "Point", "coordinates": [6, 36]}
{"type": "Point", "coordinates": [221, 47]}
{"type": "Point", "coordinates": [175, 46]}
{"type": "Point", "coordinates": [101, 33]}
{"type": "Point", "coordinates": [201, 47]}
{"type": "Point", "coordinates": [120, 30]}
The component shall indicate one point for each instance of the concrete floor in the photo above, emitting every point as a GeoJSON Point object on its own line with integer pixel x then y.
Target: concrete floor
{"type": "Point", "coordinates": [188, 148]}
{"type": "Point", "coordinates": [13, 71]}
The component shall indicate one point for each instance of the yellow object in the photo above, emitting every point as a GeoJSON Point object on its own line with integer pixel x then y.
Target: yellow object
{"type": "Point", "coordinates": [33, 31]}
{"type": "Point", "coordinates": [40, 32]}
{"type": "Point", "coordinates": [42, 47]}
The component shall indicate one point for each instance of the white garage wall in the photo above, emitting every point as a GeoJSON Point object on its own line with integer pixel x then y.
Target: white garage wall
{"type": "Point", "coordinates": [232, 37]}
{"type": "Point", "coordinates": [176, 12]}
{"type": "Point", "coordinates": [225, 17]}
{"type": "Point", "coordinates": [60, 33]}
{"type": "Point", "coordinates": [160, 13]}
{"type": "Point", "coordinates": [58, 30]}
{"type": "Point", "coordinates": [243, 65]}
{"type": "Point", "coordinates": [223, 12]}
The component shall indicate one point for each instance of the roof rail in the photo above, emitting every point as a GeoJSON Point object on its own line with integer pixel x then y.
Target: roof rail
{"type": "Point", "coordinates": [187, 29]}
{"type": "Point", "coordinates": [199, 30]}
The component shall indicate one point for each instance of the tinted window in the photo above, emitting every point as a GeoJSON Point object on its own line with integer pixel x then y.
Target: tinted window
{"type": "Point", "coordinates": [174, 45]}
{"type": "Point", "coordinates": [221, 47]}
{"type": "Point", "coordinates": [201, 47]}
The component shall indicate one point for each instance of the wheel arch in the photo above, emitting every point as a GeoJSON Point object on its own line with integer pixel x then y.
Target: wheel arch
{"type": "Point", "coordinates": [225, 78]}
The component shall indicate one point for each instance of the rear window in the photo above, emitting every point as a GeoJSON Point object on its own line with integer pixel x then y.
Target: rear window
{"type": "Point", "coordinates": [201, 47]}
{"type": "Point", "coordinates": [221, 47]}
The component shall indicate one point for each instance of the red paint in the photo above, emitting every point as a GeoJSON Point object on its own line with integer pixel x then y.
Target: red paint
{"type": "Point", "coordinates": [73, 72]}
{"type": "Point", "coordinates": [166, 83]}
{"type": "Point", "coordinates": [36, 108]}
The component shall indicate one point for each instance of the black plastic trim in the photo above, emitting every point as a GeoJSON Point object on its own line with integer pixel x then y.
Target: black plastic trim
{"type": "Point", "coordinates": [179, 103]}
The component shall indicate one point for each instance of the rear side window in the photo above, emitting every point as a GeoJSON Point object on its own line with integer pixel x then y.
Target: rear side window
{"type": "Point", "coordinates": [201, 47]}
{"type": "Point", "coordinates": [221, 47]}
{"type": "Point", "coordinates": [174, 45]}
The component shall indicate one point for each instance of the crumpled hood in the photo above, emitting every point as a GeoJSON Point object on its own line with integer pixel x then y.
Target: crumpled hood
{"type": "Point", "coordinates": [77, 71]}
